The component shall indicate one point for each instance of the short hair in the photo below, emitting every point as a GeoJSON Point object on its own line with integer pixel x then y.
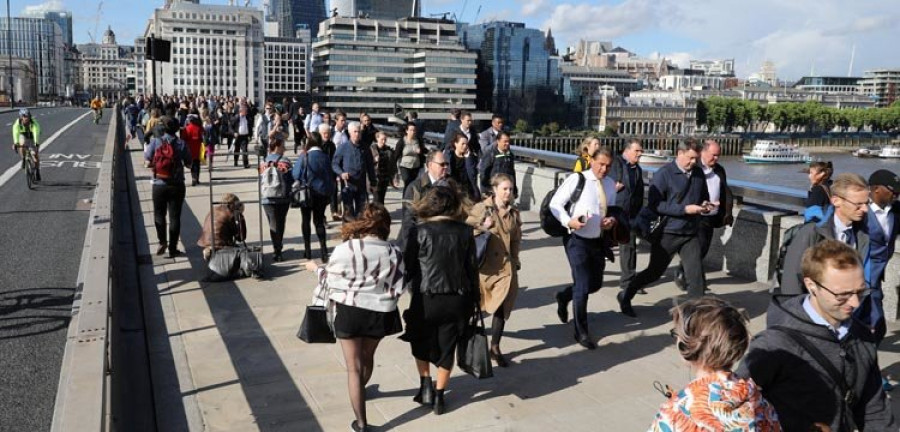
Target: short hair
{"type": "Point", "coordinates": [413, 115]}
{"type": "Point", "coordinates": [340, 115]}
{"type": "Point", "coordinates": [324, 127]}
{"type": "Point", "coordinates": [707, 143]}
{"type": "Point", "coordinates": [380, 134]}
{"type": "Point", "coordinates": [688, 145]}
{"type": "Point", "coordinates": [582, 150]}
{"type": "Point", "coordinates": [502, 134]}
{"type": "Point", "coordinates": [711, 332]}
{"type": "Point", "coordinates": [825, 254]}
{"type": "Point", "coordinates": [824, 167]}
{"type": "Point", "coordinates": [496, 117]}
{"type": "Point", "coordinates": [455, 113]}
{"type": "Point", "coordinates": [464, 114]}
{"type": "Point", "coordinates": [440, 200]}
{"type": "Point", "coordinates": [375, 220]}
{"type": "Point", "coordinates": [602, 151]}
{"type": "Point", "coordinates": [498, 178]}
{"type": "Point", "coordinates": [354, 125]}
{"type": "Point", "coordinates": [408, 125]}
{"type": "Point", "coordinates": [431, 155]}
{"type": "Point", "coordinates": [846, 182]}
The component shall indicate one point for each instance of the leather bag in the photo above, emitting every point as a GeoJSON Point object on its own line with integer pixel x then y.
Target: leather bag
{"type": "Point", "coordinates": [472, 354]}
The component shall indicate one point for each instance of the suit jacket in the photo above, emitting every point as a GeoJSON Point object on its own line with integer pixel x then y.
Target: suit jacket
{"type": "Point", "coordinates": [726, 200]}
{"type": "Point", "coordinates": [631, 198]}
{"type": "Point", "coordinates": [487, 138]}
{"type": "Point", "coordinates": [881, 244]}
{"type": "Point", "coordinates": [236, 124]}
{"type": "Point", "coordinates": [474, 143]}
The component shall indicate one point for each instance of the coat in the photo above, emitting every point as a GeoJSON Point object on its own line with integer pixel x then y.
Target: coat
{"type": "Point", "coordinates": [498, 276]}
{"type": "Point", "coordinates": [230, 229]}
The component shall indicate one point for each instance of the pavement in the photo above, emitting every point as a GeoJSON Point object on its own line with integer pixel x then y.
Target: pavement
{"type": "Point", "coordinates": [226, 357]}
{"type": "Point", "coordinates": [42, 236]}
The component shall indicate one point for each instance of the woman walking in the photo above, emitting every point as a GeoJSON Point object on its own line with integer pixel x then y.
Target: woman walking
{"type": "Point", "coordinates": [410, 153]}
{"type": "Point", "coordinates": [313, 168]}
{"type": "Point", "coordinates": [588, 147]}
{"type": "Point", "coordinates": [365, 280]}
{"type": "Point", "coordinates": [463, 166]}
{"type": "Point", "coordinates": [443, 281]}
{"type": "Point", "coordinates": [818, 198]}
{"type": "Point", "coordinates": [276, 207]}
{"type": "Point", "coordinates": [498, 275]}
{"type": "Point", "coordinates": [192, 134]}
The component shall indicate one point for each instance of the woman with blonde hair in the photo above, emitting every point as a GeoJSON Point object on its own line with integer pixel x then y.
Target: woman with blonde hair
{"type": "Point", "coordinates": [498, 274]}
{"type": "Point", "coordinates": [588, 146]}
{"type": "Point", "coordinates": [711, 335]}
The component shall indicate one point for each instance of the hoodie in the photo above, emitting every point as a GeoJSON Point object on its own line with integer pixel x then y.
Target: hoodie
{"type": "Point", "coordinates": [719, 401]}
{"type": "Point", "coordinates": [800, 389]}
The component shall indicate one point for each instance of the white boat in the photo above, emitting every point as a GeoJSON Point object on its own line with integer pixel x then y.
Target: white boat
{"type": "Point", "coordinates": [890, 152]}
{"type": "Point", "coordinates": [656, 157]}
{"type": "Point", "coordinates": [773, 152]}
{"type": "Point", "coordinates": [867, 152]}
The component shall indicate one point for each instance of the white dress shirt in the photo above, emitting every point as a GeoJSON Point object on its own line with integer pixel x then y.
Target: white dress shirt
{"type": "Point", "coordinates": [882, 215]}
{"type": "Point", "coordinates": [587, 205]}
{"type": "Point", "coordinates": [242, 126]}
{"type": "Point", "coordinates": [713, 183]}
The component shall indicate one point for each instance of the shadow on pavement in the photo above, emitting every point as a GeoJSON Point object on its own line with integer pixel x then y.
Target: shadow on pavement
{"type": "Point", "coordinates": [32, 311]}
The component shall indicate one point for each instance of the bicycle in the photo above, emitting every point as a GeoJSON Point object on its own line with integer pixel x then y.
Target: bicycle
{"type": "Point", "coordinates": [98, 114]}
{"type": "Point", "coordinates": [32, 169]}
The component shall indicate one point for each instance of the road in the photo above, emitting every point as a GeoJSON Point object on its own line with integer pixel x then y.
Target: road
{"type": "Point", "coordinates": [41, 240]}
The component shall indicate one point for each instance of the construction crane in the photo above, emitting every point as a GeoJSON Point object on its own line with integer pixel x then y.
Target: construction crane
{"type": "Point", "coordinates": [96, 21]}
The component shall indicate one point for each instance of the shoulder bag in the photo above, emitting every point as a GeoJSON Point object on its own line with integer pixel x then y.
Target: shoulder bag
{"type": "Point", "coordinates": [317, 325]}
{"type": "Point", "coordinates": [482, 240]}
{"type": "Point", "coordinates": [300, 189]}
{"type": "Point", "coordinates": [472, 354]}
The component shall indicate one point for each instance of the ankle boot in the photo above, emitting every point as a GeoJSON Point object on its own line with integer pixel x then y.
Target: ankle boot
{"type": "Point", "coordinates": [426, 391]}
{"type": "Point", "coordinates": [439, 402]}
{"type": "Point", "coordinates": [307, 253]}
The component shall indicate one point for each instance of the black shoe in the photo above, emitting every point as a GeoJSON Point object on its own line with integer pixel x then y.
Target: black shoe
{"type": "Point", "coordinates": [37, 176]}
{"type": "Point", "coordinates": [625, 305]}
{"type": "Point", "coordinates": [586, 342]}
{"type": "Point", "coordinates": [162, 249]}
{"type": "Point", "coordinates": [426, 392]}
{"type": "Point", "coordinates": [307, 254]}
{"type": "Point", "coordinates": [679, 280]}
{"type": "Point", "coordinates": [642, 291]}
{"type": "Point", "coordinates": [497, 356]}
{"type": "Point", "coordinates": [562, 308]}
{"type": "Point", "coordinates": [175, 253]}
{"type": "Point", "coordinates": [355, 427]}
{"type": "Point", "coordinates": [277, 257]}
{"type": "Point", "coordinates": [246, 166]}
{"type": "Point", "coordinates": [438, 402]}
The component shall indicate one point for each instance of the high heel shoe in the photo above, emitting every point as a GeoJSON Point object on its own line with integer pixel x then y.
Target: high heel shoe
{"type": "Point", "coordinates": [439, 402]}
{"type": "Point", "coordinates": [426, 392]}
{"type": "Point", "coordinates": [497, 356]}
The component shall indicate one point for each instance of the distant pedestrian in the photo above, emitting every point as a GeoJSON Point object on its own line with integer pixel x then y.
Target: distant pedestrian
{"type": "Point", "coordinates": [192, 134]}
{"type": "Point", "coordinates": [498, 274]}
{"type": "Point", "coordinates": [413, 117]}
{"type": "Point", "coordinates": [299, 128]}
{"type": "Point", "coordinates": [711, 336]}
{"type": "Point", "coordinates": [626, 171]}
{"type": "Point", "coordinates": [443, 278]}
{"type": "Point", "coordinates": [463, 166]}
{"type": "Point", "coordinates": [385, 166]}
{"type": "Point", "coordinates": [410, 152]}
{"type": "Point", "coordinates": [365, 280]}
{"type": "Point", "coordinates": [242, 126]}
{"type": "Point", "coordinates": [587, 148]}
{"type": "Point", "coordinates": [497, 159]}
{"type": "Point", "coordinates": [465, 126]}
{"type": "Point", "coordinates": [313, 120]}
{"type": "Point", "coordinates": [354, 164]}
{"type": "Point", "coordinates": [488, 137]}
{"type": "Point", "coordinates": [313, 168]}
{"type": "Point", "coordinates": [451, 129]}
{"type": "Point", "coordinates": [276, 208]}
{"type": "Point", "coordinates": [818, 198]}
{"type": "Point", "coordinates": [167, 156]}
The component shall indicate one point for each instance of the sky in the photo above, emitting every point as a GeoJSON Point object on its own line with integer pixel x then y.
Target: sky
{"type": "Point", "coordinates": [801, 37]}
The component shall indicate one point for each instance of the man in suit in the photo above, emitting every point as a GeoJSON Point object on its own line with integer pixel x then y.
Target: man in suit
{"type": "Point", "coordinates": [629, 178]}
{"type": "Point", "coordinates": [489, 136]}
{"type": "Point", "coordinates": [451, 129]}
{"type": "Point", "coordinates": [465, 126]}
{"type": "Point", "coordinates": [242, 125]}
{"type": "Point", "coordinates": [883, 226]}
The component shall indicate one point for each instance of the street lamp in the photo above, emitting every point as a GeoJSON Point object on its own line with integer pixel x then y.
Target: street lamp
{"type": "Point", "coordinates": [12, 91]}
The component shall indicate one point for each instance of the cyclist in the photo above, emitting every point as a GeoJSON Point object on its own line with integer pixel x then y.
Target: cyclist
{"type": "Point", "coordinates": [97, 106]}
{"type": "Point", "coordinates": [27, 133]}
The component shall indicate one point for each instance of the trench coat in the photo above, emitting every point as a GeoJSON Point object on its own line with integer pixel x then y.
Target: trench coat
{"type": "Point", "coordinates": [498, 276]}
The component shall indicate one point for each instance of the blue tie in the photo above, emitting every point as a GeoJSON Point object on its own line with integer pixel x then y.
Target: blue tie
{"type": "Point", "coordinates": [849, 238]}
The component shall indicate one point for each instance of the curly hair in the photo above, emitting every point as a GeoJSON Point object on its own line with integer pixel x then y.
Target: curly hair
{"type": "Point", "coordinates": [710, 332]}
{"type": "Point", "coordinates": [375, 220]}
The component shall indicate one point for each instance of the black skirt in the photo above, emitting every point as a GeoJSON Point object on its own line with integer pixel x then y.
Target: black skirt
{"type": "Point", "coordinates": [351, 322]}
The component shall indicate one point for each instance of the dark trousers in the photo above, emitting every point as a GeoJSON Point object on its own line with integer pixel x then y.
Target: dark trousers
{"type": "Point", "coordinates": [168, 198]}
{"type": "Point", "coordinates": [316, 212]}
{"type": "Point", "coordinates": [687, 247]}
{"type": "Point", "coordinates": [628, 260]}
{"type": "Point", "coordinates": [195, 170]}
{"type": "Point", "coordinates": [409, 176]}
{"type": "Point", "coordinates": [277, 216]}
{"type": "Point", "coordinates": [381, 189]}
{"type": "Point", "coordinates": [587, 263]}
{"type": "Point", "coordinates": [871, 312]}
{"type": "Point", "coordinates": [354, 200]}
{"type": "Point", "coordinates": [705, 235]}
{"type": "Point", "coordinates": [335, 201]}
{"type": "Point", "coordinates": [240, 146]}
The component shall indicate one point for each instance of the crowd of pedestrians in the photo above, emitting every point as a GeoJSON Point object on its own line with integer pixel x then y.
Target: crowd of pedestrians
{"type": "Point", "coordinates": [826, 313]}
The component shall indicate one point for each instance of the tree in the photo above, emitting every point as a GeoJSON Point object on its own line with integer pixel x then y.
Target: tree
{"type": "Point", "coordinates": [553, 127]}
{"type": "Point", "coordinates": [522, 126]}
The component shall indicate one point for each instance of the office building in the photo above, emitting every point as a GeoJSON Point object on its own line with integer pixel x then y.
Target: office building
{"type": "Point", "coordinates": [105, 67]}
{"type": "Point", "coordinates": [642, 115]}
{"type": "Point", "coordinates": [596, 54]}
{"type": "Point", "coordinates": [366, 65]}
{"type": "Point", "coordinates": [39, 39]}
{"type": "Point", "coordinates": [216, 50]}
{"type": "Point", "coordinates": [881, 85]}
{"type": "Point", "coordinates": [581, 84]}
{"type": "Point", "coordinates": [286, 68]}
{"type": "Point", "coordinates": [718, 68]}
{"type": "Point", "coordinates": [691, 81]}
{"type": "Point", "coordinates": [831, 85]}
{"type": "Point", "coordinates": [377, 9]}
{"type": "Point", "coordinates": [517, 70]}
{"type": "Point", "coordinates": [293, 15]}
{"type": "Point", "coordinates": [140, 72]}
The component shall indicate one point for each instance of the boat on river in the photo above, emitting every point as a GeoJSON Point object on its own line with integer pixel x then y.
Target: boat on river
{"type": "Point", "coordinates": [657, 157]}
{"type": "Point", "coordinates": [890, 152]}
{"type": "Point", "coordinates": [867, 152]}
{"type": "Point", "coordinates": [773, 152]}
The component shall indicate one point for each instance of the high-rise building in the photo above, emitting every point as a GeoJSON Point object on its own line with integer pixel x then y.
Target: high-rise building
{"type": "Point", "coordinates": [41, 40]}
{"type": "Point", "coordinates": [216, 49]}
{"type": "Point", "coordinates": [378, 9]}
{"type": "Point", "coordinates": [286, 67]}
{"type": "Point", "coordinates": [293, 15]}
{"type": "Point", "coordinates": [364, 65]}
{"type": "Point", "coordinates": [105, 67]}
{"type": "Point", "coordinates": [515, 68]}
{"type": "Point", "coordinates": [882, 86]}
{"type": "Point", "coordinates": [140, 72]}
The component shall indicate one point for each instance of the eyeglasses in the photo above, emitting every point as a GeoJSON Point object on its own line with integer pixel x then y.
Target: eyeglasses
{"type": "Point", "coordinates": [843, 297]}
{"type": "Point", "coordinates": [858, 205]}
{"type": "Point", "coordinates": [443, 164]}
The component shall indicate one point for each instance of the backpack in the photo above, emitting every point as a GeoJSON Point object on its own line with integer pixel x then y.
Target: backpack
{"type": "Point", "coordinates": [272, 183]}
{"type": "Point", "coordinates": [549, 223]}
{"type": "Point", "coordinates": [786, 240]}
{"type": "Point", "coordinates": [163, 163]}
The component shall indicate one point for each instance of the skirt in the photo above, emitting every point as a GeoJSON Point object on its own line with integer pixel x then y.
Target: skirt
{"type": "Point", "coordinates": [352, 322]}
{"type": "Point", "coordinates": [434, 325]}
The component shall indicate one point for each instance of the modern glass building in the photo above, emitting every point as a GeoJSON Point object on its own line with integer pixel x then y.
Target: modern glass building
{"type": "Point", "coordinates": [831, 85]}
{"type": "Point", "coordinates": [41, 40]}
{"type": "Point", "coordinates": [365, 65]}
{"type": "Point", "coordinates": [514, 66]}
{"type": "Point", "coordinates": [298, 14]}
{"type": "Point", "coordinates": [378, 9]}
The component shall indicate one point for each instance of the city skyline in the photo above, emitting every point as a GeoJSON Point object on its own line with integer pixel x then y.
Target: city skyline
{"type": "Point", "coordinates": [801, 38]}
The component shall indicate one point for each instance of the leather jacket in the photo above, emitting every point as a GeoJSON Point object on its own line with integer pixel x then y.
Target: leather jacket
{"type": "Point", "coordinates": [231, 228]}
{"type": "Point", "coordinates": [446, 258]}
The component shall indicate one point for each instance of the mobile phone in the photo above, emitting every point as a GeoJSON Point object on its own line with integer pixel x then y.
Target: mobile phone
{"type": "Point", "coordinates": [582, 219]}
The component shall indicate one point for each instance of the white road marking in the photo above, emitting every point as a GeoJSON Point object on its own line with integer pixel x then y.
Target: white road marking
{"type": "Point", "coordinates": [18, 165]}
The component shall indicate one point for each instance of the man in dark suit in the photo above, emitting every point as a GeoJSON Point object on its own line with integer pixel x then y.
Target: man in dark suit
{"type": "Point", "coordinates": [465, 126]}
{"type": "Point", "coordinates": [451, 129]}
{"type": "Point", "coordinates": [242, 125]}
{"type": "Point", "coordinates": [719, 196]}
{"type": "Point", "coordinates": [629, 178]}
{"type": "Point", "coordinates": [883, 226]}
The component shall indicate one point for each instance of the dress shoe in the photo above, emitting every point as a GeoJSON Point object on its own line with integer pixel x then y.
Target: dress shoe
{"type": "Point", "coordinates": [277, 257]}
{"type": "Point", "coordinates": [439, 402]}
{"type": "Point", "coordinates": [586, 342]}
{"type": "Point", "coordinates": [497, 356]}
{"type": "Point", "coordinates": [562, 308]}
{"type": "Point", "coordinates": [625, 305]}
{"type": "Point", "coordinates": [425, 396]}
{"type": "Point", "coordinates": [175, 253]}
{"type": "Point", "coordinates": [161, 249]}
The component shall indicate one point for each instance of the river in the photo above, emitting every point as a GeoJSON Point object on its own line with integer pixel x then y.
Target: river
{"type": "Point", "coordinates": [794, 176]}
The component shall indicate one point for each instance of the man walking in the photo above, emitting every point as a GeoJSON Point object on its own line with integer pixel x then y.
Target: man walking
{"type": "Point", "coordinates": [720, 198]}
{"type": "Point", "coordinates": [355, 166]}
{"type": "Point", "coordinates": [451, 129]}
{"type": "Point", "coordinates": [242, 125]}
{"type": "Point", "coordinates": [497, 159]}
{"type": "Point", "coordinates": [465, 126]}
{"type": "Point", "coordinates": [436, 169]}
{"type": "Point", "coordinates": [312, 121]}
{"type": "Point", "coordinates": [678, 192]}
{"type": "Point", "coordinates": [815, 364]}
{"type": "Point", "coordinates": [167, 156]}
{"type": "Point", "coordinates": [489, 136]}
{"type": "Point", "coordinates": [629, 177]}
{"type": "Point", "coordinates": [587, 218]}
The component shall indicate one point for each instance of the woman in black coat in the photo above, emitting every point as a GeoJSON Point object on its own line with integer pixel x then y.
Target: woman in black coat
{"type": "Point", "coordinates": [443, 281]}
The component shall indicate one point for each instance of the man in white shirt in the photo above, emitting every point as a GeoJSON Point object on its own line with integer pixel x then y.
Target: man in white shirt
{"type": "Point", "coordinates": [883, 226]}
{"type": "Point", "coordinates": [589, 218]}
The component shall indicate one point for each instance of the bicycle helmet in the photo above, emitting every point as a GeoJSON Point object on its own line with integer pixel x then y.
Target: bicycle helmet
{"type": "Point", "coordinates": [24, 112]}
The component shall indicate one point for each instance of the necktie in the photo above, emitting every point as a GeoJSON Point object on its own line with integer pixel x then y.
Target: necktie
{"type": "Point", "coordinates": [848, 237]}
{"type": "Point", "coordinates": [601, 197]}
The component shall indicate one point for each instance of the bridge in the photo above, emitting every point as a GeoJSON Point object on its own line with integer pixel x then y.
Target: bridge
{"type": "Point", "coordinates": [138, 342]}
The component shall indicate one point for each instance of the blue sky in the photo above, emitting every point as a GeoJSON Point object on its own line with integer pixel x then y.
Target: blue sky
{"type": "Point", "coordinates": [798, 36]}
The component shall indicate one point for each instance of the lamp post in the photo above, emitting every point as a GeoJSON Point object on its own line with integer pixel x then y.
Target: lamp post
{"type": "Point", "coordinates": [12, 91]}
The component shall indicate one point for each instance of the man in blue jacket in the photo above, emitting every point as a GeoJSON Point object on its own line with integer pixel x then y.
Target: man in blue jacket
{"type": "Point", "coordinates": [356, 167]}
{"type": "Point", "coordinates": [678, 191]}
{"type": "Point", "coordinates": [883, 226]}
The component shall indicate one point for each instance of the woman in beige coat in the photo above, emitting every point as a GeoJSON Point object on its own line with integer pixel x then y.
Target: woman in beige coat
{"type": "Point", "coordinates": [498, 273]}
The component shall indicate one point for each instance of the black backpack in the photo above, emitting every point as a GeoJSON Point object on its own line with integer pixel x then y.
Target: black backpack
{"type": "Point", "coordinates": [549, 223]}
{"type": "Point", "coordinates": [786, 240]}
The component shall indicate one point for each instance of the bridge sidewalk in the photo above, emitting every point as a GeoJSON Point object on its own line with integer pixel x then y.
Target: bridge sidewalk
{"type": "Point", "coordinates": [236, 365]}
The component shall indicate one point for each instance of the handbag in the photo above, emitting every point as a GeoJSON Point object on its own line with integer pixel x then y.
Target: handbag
{"type": "Point", "coordinates": [481, 243]}
{"type": "Point", "coordinates": [234, 262]}
{"type": "Point", "coordinates": [300, 190]}
{"type": "Point", "coordinates": [472, 354]}
{"type": "Point", "coordinates": [316, 325]}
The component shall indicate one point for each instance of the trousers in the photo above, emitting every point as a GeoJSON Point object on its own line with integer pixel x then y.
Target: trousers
{"type": "Point", "coordinates": [587, 262]}
{"type": "Point", "coordinates": [688, 249]}
{"type": "Point", "coordinates": [168, 198]}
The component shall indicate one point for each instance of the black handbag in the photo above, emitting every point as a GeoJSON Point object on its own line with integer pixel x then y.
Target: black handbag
{"type": "Point", "coordinates": [315, 327]}
{"type": "Point", "coordinates": [481, 244]}
{"type": "Point", "coordinates": [234, 262]}
{"type": "Point", "coordinates": [300, 190]}
{"type": "Point", "coordinates": [472, 354]}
